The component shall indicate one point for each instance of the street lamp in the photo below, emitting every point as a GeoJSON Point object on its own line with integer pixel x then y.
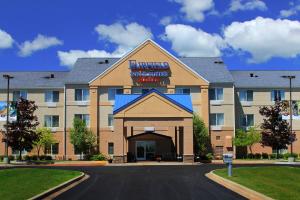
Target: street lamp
{"type": "Point", "coordinates": [8, 77]}
{"type": "Point", "coordinates": [291, 111]}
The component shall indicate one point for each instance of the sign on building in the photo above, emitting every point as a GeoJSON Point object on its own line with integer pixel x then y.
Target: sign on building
{"type": "Point", "coordinates": [3, 112]}
{"type": "Point", "coordinates": [295, 111]}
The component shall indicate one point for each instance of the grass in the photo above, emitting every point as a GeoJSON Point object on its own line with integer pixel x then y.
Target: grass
{"type": "Point", "coordinates": [23, 183]}
{"type": "Point", "coordinates": [278, 182]}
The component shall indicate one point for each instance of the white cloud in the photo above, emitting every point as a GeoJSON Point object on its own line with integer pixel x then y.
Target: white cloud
{"type": "Point", "coordinates": [165, 20]}
{"type": "Point", "coordinates": [290, 12]}
{"type": "Point", "coordinates": [6, 41]}
{"type": "Point", "coordinates": [189, 41]}
{"type": "Point", "coordinates": [265, 38]}
{"type": "Point", "coordinates": [125, 37]}
{"type": "Point", "coordinates": [237, 5]}
{"type": "Point", "coordinates": [194, 10]}
{"type": "Point", "coordinates": [39, 43]}
{"type": "Point", "coordinates": [68, 58]}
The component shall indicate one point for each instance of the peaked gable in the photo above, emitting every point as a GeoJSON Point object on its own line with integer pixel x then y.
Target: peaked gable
{"type": "Point", "coordinates": [148, 51]}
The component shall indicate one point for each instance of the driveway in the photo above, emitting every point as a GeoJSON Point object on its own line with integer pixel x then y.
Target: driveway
{"type": "Point", "coordinates": [148, 182]}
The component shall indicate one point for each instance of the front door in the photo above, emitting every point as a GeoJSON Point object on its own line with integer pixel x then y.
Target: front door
{"type": "Point", "coordinates": [145, 150]}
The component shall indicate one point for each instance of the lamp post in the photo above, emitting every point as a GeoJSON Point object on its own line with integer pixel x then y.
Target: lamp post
{"type": "Point", "coordinates": [291, 109]}
{"type": "Point", "coordinates": [8, 77]}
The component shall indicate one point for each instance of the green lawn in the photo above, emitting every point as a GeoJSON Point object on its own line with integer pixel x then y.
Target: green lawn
{"type": "Point", "coordinates": [25, 183]}
{"type": "Point", "coordinates": [278, 182]}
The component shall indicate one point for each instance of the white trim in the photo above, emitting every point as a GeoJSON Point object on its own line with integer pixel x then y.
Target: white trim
{"type": "Point", "coordinates": [142, 43]}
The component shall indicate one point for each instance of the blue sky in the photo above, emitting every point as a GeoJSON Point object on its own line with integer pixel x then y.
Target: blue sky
{"type": "Point", "coordinates": [51, 34]}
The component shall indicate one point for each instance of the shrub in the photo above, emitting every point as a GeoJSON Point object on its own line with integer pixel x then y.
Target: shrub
{"type": "Point", "coordinates": [209, 156]}
{"type": "Point", "coordinates": [280, 156]}
{"type": "Point", "coordinates": [11, 157]}
{"type": "Point", "coordinates": [272, 156]}
{"type": "Point", "coordinates": [27, 157]}
{"type": "Point", "coordinates": [42, 157]}
{"type": "Point", "coordinates": [1, 157]}
{"type": "Point", "coordinates": [250, 156]}
{"type": "Point", "coordinates": [287, 155]}
{"type": "Point", "coordinates": [265, 156]}
{"type": "Point", "coordinates": [48, 157]}
{"type": "Point", "coordinates": [34, 157]}
{"type": "Point", "coordinates": [257, 156]}
{"type": "Point", "coordinates": [98, 157]}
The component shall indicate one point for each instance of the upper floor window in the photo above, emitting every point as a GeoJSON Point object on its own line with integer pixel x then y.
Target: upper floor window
{"type": "Point", "coordinates": [248, 120]}
{"type": "Point", "coordinates": [246, 95]}
{"type": "Point", "coordinates": [183, 90]}
{"type": "Point", "coordinates": [110, 120]}
{"type": "Point", "coordinates": [84, 117]}
{"type": "Point", "coordinates": [51, 121]}
{"type": "Point", "coordinates": [112, 93]}
{"type": "Point", "coordinates": [217, 119]}
{"type": "Point", "coordinates": [216, 94]}
{"type": "Point", "coordinates": [82, 94]}
{"type": "Point", "coordinates": [52, 96]}
{"type": "Point", "coordinates": [19, 94]}
{"type": "Point", "coordinates": [277, 95]}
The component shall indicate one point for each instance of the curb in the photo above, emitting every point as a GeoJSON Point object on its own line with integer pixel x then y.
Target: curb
{"type": "Point", "coordinates": [237, 188]}
{"type": "Point", "coordinates": [57, 188]}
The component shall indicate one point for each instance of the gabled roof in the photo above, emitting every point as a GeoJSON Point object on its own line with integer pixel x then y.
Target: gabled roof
{"type": "Point", "coordinates": [264, 79]}
{"type": "Point", "coordinates": [122, 101]}
{"type": "Point", "coordinates": [34, 80]}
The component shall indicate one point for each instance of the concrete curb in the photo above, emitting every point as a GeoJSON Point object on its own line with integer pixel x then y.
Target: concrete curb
{"type": "Point", "coordinates": [58, 187]}
{"type": "Point", "coordinates": [237, 188]}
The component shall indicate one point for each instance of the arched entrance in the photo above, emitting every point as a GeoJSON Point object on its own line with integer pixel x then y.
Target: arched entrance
{"type": "Point", "coordinates": [149, 146]}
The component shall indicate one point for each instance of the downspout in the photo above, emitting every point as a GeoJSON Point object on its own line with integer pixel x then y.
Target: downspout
{"type": "Point", "coordinates": [234, 148]}
{"type": "Point", "coordinates": [65, 123]}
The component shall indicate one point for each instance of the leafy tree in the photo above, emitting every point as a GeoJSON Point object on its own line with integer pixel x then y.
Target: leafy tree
{"type": "Point", "coordinates": [81, 137]}
{"type": "Point", "coordinates": [247, 138]}
{"type": "Point", "coordinates": [46, 139]}
{"type": "Point", "coordinates": [201, 136]}
{"type": "Point", "coordinates": [275, 131]}
{"type": "Point", "coordinates": [21, 133]}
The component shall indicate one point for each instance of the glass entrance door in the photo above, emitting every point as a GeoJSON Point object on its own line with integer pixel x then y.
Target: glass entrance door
{"type": "Point", "coordinates": [145, 150]}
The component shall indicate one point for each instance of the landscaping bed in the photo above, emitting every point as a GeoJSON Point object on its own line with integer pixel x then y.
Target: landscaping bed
{"type": "Point", "coordinates": [24, 183]}
{"type": "Point", "coordinates": [278, 182]}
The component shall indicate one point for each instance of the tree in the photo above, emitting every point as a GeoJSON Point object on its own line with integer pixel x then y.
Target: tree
{"type": "Point", "coordinates": [275, 131]}
{"type": "Point", "coordinates": [81, 137]}
{"type": "Point", "coordinates": [247, 138]}
{"type": "Point", "coordinates": [201, 136]}
{"type": "Point", "coordinates": [21, 133]}
{"type": "Point", "coordinates": [46, 139]}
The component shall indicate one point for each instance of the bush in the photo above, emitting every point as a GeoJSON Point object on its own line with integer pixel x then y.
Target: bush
{"type": "Point", "coordinates": [209, 156]}
{"type": "Point", "coordinates": [98, 157]}
{"type": "Point", "coordinates": [265, 156]}
{"type": "Point", "coordinates": [48, 157]}
{"type": "Point", "coordinates": [11, 157]}
{"type": "Point", "coordinates": [34, 157]}
{"type": "Point", "coordinates": [42, 157]}
{"type": "Point", "coordinates": [257, 156]}
{"type": "Point", "coordinates": [250, 156]}
{"type": "Point", "coordinates": [1, 157]}
{"type": "Point", "coordinates": [272, 156]}
{"type": "Point", "coordinates": [27, 158]}
{"type": "Point", "coordinates": [287, 155]}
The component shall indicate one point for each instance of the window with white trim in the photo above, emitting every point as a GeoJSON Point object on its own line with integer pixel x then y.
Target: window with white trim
{"type": "Point", "coordinates": [183, 90]}
{"type": "Point", "coordinates": [84, 117]}
{"type": "Point", "coordinates": [19, 94]}
{"type": "Point", "coordinates": [51, 96]}
{"type": "Point", "coordinates": [216, 94]}
{"type": "Point", "coordinates": [217, 119]}
{"type": "Point", "coordinates": [110, 120]}
{"type": "Point", "coordinates": [246, 95]}
{"type": "Point", "coordinates": [277, 95]}
{"type": "Point", "coordinates": [51, 121]}
{"type": "Point", "coordinates": [82, 94]}
{"type": "Point", "coordinates": [111, 148]}
{"type": "Point", "coordinates": [52, 149]}
{"type": "Point", "coordinates": [248, 120]}
{"type": "Point", "coordinates": [112, 93]}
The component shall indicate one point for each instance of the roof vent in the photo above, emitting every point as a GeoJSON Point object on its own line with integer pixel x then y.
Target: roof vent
{"type": "Point", "coordinates": [219, 62]}
{"type": "Point", "coordinates": [106, 61]}
{"type": "Point", "coordinates": [51, 75]}
{"type": "Point", "coordinates": [103, 62]}
{"type": "Point", "coordinates": [251, 75]}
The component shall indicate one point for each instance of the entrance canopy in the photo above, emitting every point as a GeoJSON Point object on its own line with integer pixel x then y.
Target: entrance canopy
{"type": "Point", "coordinates": [154, 102]}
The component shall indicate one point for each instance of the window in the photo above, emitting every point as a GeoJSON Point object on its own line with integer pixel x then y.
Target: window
{"type": "Point", "coordinates": [216, 94]}
{"type": "Point", "coordinates": [84, 117]}
{"type": "Point", "coordinates": [218, 137]}
{"type": "Point", "coordinates": [145, 90]}
{"type": "Point", "coordinates": [52, 149]}
{"type": "Point", "coordinates": [217, 119]}
{"type": "Point", "coordinates": [280, 151]}
{"type": "Point", "coordinates": [110, 120]}
{"type": "Point", "coordinates": [52, 96]}
{"type": "Point", "coordinates": [183, 90]}
{"type": "Point", "coordinates": [277, 95]}
{"type": "Point", "coordinates": [17, 152]}
{"type": "Point", "coordinates": [82, 94]}
{"type": "Point", "coordinates": [218, 151]}
{"type": "Point", "coordinates": [248, 120]}
{"type": "Point", "coordinates": [246, 95]}
{"type": "Point", "coordinates": [18, 94]}
{"type": "Point", "coordinates": [110, 148]}
{"type": "Point", "coordinates": [51, 121]}
{"type": "Point", "coordinates": [112, 93]}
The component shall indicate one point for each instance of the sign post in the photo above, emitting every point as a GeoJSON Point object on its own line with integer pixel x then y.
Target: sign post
{"type": "Point", "coordinates": [227, 158]}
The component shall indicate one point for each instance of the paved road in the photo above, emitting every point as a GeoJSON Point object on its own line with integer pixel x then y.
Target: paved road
{"type": "Point", "coordinates": [148, 182]}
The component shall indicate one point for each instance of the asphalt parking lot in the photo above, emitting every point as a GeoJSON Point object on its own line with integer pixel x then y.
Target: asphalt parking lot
{"type": "Point", "coordinates": [148, 182]}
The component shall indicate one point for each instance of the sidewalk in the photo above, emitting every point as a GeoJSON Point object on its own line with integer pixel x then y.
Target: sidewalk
{"type": "Point", "coordinates": [238, 161]}
{"type": "Point", "coordinates": [59, 163]}
{"type": "Point", "coordinates": [152, 163]}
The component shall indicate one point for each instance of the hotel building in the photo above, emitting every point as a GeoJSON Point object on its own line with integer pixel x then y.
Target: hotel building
{"type": "Point", "coordinates": [141, 105]}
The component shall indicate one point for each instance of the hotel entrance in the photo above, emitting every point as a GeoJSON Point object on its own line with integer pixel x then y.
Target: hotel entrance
{"type": "Point", "coordinates": [145, 150]}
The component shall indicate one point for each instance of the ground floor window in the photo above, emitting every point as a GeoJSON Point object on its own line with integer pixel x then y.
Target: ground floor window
{"type": "Point", "coordinates": [17, 152]}
{"type": "Point", "coordinates": [52, 149]}
{"type": "Point", "coordinates": [281, 151]}
{"type": "Point", "coordinates": [110, 148]}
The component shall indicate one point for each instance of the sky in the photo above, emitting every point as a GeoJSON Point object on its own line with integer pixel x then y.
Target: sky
{"type": "Point", "coordinates": [49, 35]}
